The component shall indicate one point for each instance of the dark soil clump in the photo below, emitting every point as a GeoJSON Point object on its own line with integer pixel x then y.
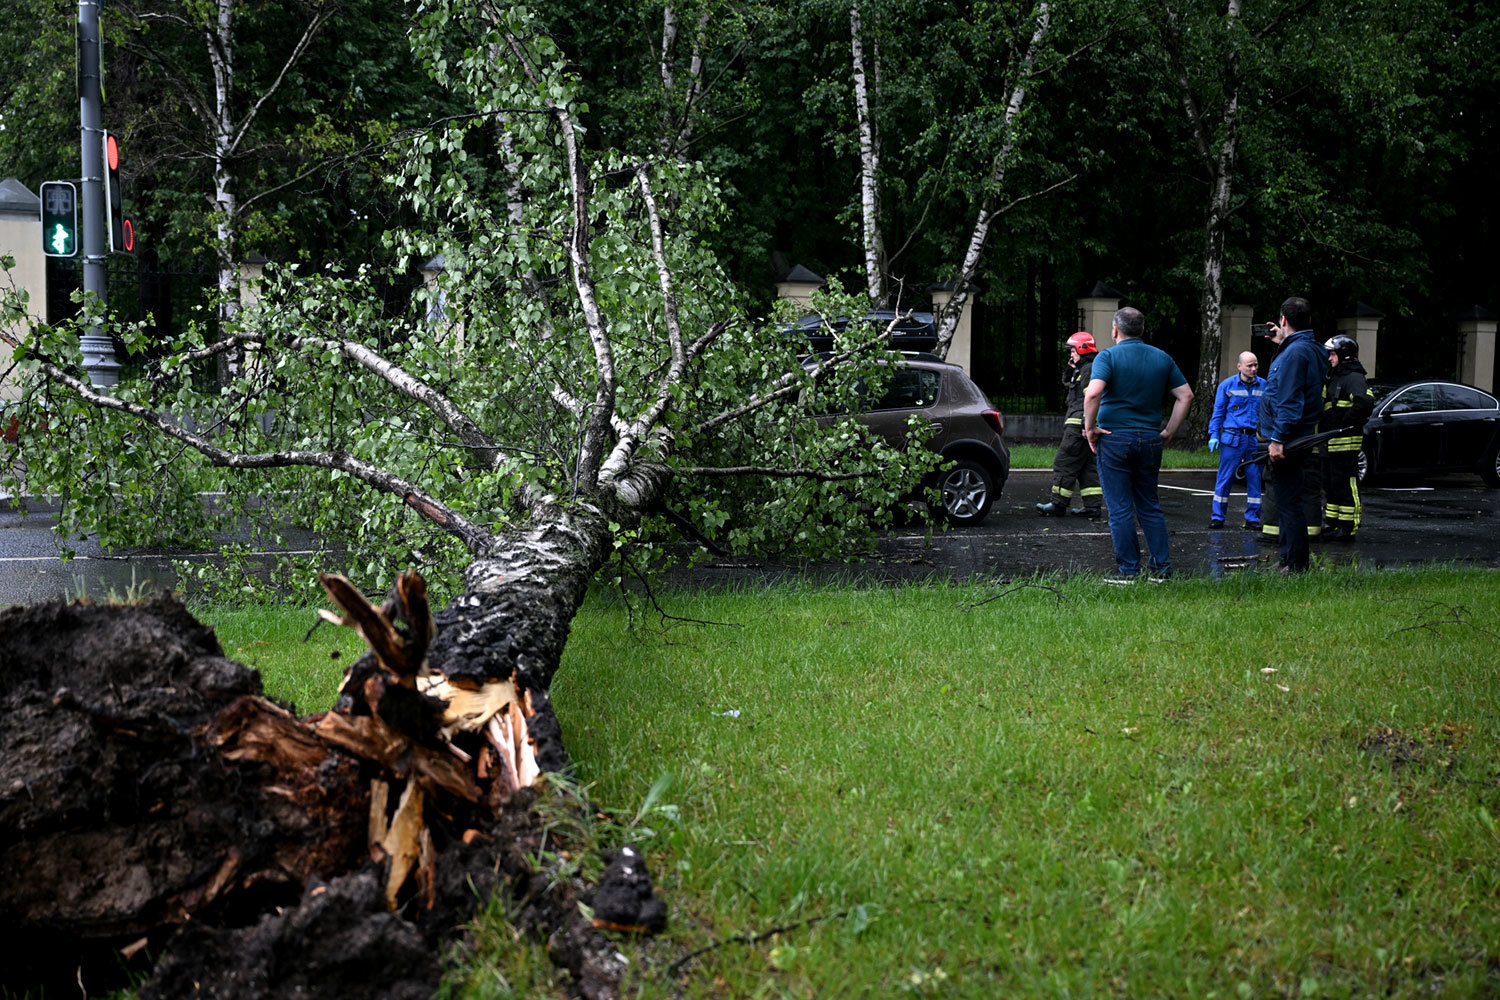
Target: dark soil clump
{"type": "Point", "coordinates": [153, 804]}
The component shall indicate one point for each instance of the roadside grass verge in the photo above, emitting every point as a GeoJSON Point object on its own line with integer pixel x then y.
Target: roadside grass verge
{"type": "Point", "coordinates": [1039, 456]}
{"type": "Point", "coordinates": [1069, 790]}
{"type": "Point", "coordinates": [1252, 787]}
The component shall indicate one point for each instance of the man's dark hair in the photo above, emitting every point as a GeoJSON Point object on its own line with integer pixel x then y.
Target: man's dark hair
{"type": "Point", "coordinates": [1298, 313]}
{"type": "Point", "coordinates": [1131, 322]}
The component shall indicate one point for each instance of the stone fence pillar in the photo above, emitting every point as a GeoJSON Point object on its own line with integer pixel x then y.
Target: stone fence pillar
{"type": "Point", "coordinates": [251, 271]}
{"type": "Point", "coordinates": [1096, 313]}
{"type": "Point", "coordinates": [961, 348]}
{"type": "Point", "coordinates": [21, 238]}
{"type": "Point", "coordinates": [1234, 338]}
{"type": "Point", "coordinates": [1364, 327]}
{"type": "Point", "coordinates": [1476, 348]}
{"type": "Point", "coordinates": [798, 284]}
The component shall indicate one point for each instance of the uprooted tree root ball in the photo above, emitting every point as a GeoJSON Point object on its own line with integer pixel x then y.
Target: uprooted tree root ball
{"type": "Point", "coordinates": [159, 816]}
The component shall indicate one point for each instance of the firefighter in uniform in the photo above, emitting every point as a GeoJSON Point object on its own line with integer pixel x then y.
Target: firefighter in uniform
{"type": "Point", "coordinates": [1231, 432]}
{"type": "Point", "coordinates": [1074, 474]}
{"type": "Point", "coordinates": [1346, 406]}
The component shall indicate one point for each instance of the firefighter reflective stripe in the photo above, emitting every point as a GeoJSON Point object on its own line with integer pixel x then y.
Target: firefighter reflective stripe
{"type": "Point", "coordinates": [1091, 491]}
{"type": "Point", "coordinates": [1351, 443]}
{"type": "Point", "coordinates": [1344, 515]}
{"type": "Point", "coordinates": [1076, 421]}
{"type": "Point", "coordinates": [1059, 491]}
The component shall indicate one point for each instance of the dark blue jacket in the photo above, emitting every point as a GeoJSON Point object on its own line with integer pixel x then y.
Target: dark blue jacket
{"type": "Point", "coordinates": [1293, 400]}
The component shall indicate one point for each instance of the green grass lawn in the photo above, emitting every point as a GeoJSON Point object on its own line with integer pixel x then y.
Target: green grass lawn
{"type": "Point", "coordinates": [1253, 787]}
{"type": "Point", "coordinates": [1037, 456]}
{"type": "Point", "coordinates": [1082, 792]}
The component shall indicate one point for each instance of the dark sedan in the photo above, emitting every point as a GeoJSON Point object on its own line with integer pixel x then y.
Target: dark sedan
{"type": "Point", "coordinates": [1430, 427]}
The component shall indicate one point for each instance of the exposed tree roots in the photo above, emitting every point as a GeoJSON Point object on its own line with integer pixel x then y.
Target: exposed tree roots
{"type": "Point", "coordinates": [160, 816]}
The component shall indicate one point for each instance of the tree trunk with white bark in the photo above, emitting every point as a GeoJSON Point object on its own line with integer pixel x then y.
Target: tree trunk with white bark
{"type": "Point", "coordinates": [947, 321]}
{"type": "Point", "coordinates": [872, 244]}
{"type": "Point", "coordinates": [1217, 146]}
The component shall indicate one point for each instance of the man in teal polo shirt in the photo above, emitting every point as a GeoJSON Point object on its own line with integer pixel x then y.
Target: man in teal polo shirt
{"type": "Point", "coordinates": [1122, 420]}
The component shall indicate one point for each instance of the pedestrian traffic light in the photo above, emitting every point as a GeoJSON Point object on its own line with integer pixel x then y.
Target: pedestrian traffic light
{"type": "Point", "coordinates": [59, 219]}
{"type": "Point", "coordinates": [121, 231]}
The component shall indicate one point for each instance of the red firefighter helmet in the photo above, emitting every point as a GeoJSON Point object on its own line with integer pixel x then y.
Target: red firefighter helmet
{"type": "Point", "coordinates": [1083, 343]}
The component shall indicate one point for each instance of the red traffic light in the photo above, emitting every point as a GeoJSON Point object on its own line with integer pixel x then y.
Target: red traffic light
{"type": "Point", "coordinates": [121, 232]}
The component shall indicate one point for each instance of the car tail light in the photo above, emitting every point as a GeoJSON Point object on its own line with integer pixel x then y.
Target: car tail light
{"type": "Point", "coordinates": [995, 420]}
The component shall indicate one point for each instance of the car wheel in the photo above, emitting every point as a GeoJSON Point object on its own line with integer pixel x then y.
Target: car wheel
{"type": "Point", "coordinates": [1491, 468]}
{"type": "Point", "coordinates": [968, 489]}
{"type": "Point", "coordinates": [1362, 468]}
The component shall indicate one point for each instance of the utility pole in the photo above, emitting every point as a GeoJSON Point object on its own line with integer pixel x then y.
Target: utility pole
{"type": "Point", "coordinates": [98, 348]}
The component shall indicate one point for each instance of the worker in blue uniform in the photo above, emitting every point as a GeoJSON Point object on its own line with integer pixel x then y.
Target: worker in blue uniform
{"type": "Point", "coordinates": [1231, 432]}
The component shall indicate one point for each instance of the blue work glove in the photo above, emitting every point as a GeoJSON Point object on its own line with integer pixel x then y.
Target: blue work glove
{"type": "Point", "coordinates": [1213, 444]}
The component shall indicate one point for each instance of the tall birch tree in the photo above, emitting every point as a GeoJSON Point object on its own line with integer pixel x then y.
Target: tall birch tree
{"type": "Point", "coordinates": [1248, 77]}
{"type": "Point", "coordinates": [224, 106]}
{"type": "Point", "coordinates": [866, 81]}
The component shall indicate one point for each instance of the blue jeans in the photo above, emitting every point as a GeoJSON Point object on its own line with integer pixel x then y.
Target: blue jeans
{"type": "Point", "coordinates": [1129, 467]}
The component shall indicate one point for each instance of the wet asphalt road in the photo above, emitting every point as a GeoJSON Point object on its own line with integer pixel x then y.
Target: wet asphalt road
{"type": "Point", "coordinates": [1454, 519]}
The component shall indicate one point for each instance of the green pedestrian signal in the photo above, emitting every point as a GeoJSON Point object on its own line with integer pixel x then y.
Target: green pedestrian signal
{"type": "Point", "coordinates": [59, 219]}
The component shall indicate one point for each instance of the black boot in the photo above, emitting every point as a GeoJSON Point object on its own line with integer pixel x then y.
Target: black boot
{"type": "Point", "coordinates": [1052, 508]}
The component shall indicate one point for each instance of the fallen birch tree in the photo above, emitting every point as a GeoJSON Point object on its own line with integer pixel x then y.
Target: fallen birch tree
{"type": "Point", "coordinates": [580, 380]}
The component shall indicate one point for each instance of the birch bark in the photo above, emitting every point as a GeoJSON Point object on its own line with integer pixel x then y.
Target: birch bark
{"type": "Point", "coordinates": [1217, 145]}
{"type": "Point", "coordinates": [871, 242]}
{"type": "Point", "coordinates": [227, 134]}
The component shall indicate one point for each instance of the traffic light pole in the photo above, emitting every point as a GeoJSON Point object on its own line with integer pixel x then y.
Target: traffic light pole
{"type": "Point", "coordinates": [98, 348]}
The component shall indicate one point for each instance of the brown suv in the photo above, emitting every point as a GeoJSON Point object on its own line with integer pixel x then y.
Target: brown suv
{"type": "Point", "coordinates": [967, 431]}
